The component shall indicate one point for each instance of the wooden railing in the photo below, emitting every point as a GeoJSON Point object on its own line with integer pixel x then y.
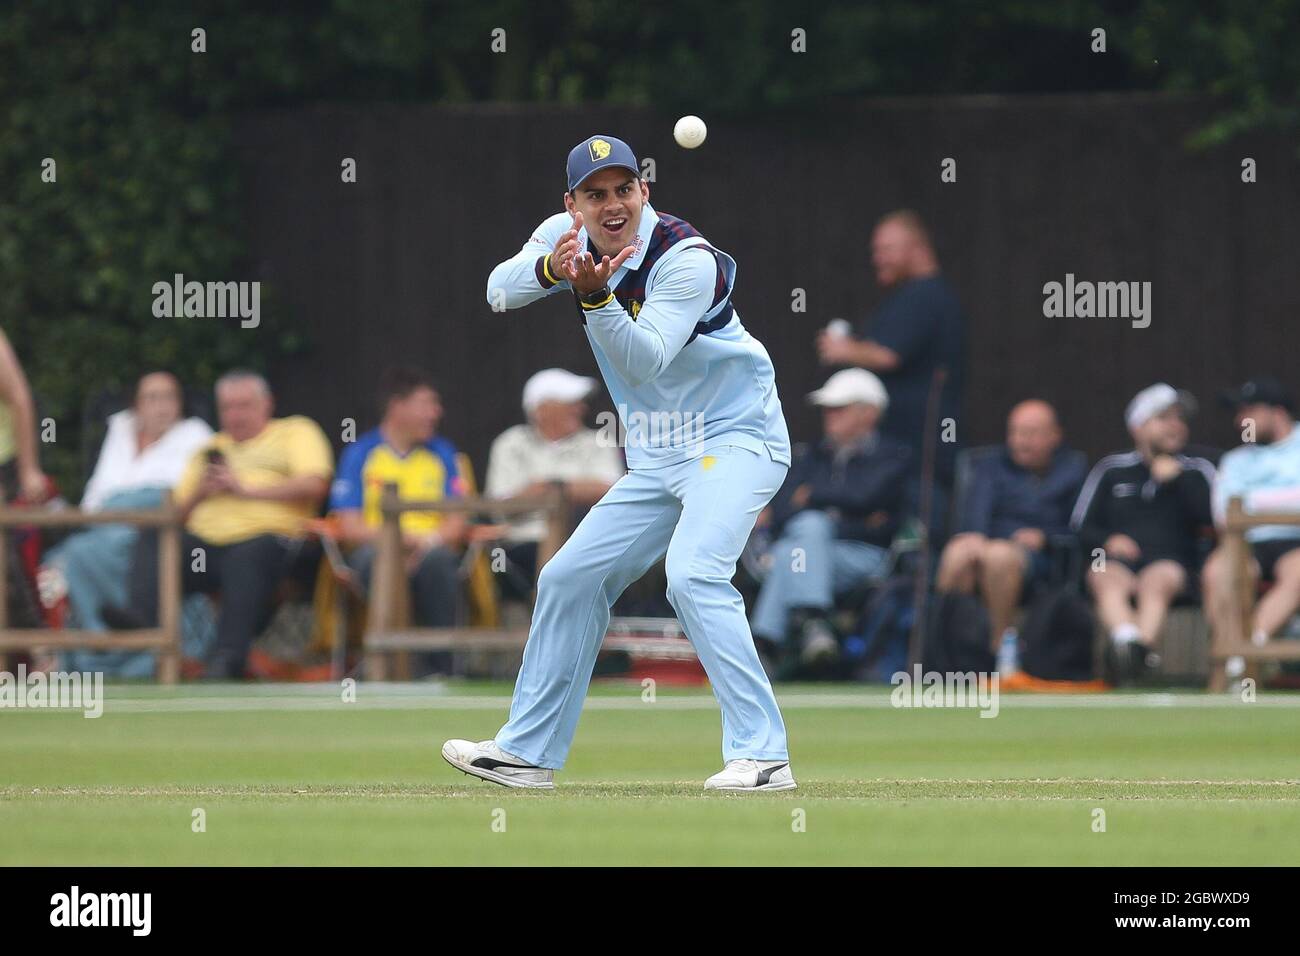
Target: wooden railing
{"type": "Point", "coordinates": [388, 628]}
{"type": "Point", "coordinates": [164, 639]}
{"type": "Point", "coordinates": [389, 631]}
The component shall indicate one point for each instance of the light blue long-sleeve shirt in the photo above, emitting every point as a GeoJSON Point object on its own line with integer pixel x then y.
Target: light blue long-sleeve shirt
{"type": "Point", "coordinates": [677, 396]}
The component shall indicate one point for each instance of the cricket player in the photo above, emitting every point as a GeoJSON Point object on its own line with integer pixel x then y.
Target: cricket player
{"type": "Point", "coordinates": [707, 448]}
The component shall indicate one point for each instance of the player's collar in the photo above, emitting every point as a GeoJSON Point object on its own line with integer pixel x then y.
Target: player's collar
{"type": "Point", "coordinates": [649, 219]}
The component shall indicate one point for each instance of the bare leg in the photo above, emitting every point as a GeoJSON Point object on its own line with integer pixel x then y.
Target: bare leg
{"type": "Point", "coordinates": [1113, 588]}
{"type": "Point", "coordinates": [1002, 572]}
{"type": "Point", "coordinates": [1276, 607]}
{"type": "Point", "coordinates": [1157, 584]}
{"type": "Point", "coordinates": [1216, 588]}
{"type": "Point", "coordinates": [959, 565]}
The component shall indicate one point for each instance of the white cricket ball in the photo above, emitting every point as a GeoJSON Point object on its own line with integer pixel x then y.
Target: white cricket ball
{"type": "Point", "coordinates": [690, 132]}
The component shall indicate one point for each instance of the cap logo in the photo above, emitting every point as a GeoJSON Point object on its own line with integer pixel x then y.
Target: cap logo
{"type": "Point", "coordinates": [599, 149]}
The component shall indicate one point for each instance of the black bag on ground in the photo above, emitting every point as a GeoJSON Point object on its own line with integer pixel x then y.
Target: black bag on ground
{"type": "Point", "coordinates": [957, 635]}
{"type": "Point", "coordinates": [1056, 637]}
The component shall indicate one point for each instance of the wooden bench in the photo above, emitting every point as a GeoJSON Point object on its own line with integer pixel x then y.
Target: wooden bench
{"type": "Point", "coordinates": [164, 639]}
{"type": "Point", "coordinates": [1234, 640]}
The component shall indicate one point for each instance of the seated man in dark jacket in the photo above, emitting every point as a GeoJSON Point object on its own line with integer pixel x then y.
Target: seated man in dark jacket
{"type": "Point", "coordinates": [1017, 500]}
{"type": "Point", "coordinates": [1139, 518]}
{"type": "Point", "coordinates": [833, 519]}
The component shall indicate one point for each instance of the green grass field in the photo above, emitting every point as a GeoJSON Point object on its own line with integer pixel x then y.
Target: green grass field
{"type": "Point", "coordinates": [292, 775]}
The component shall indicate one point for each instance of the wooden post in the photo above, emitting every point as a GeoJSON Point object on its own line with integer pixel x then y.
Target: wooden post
{"type": "Point", "coordinates": [399, 585]}
{"type": "Point", "coordinates": [1244, 587]}
{"type": "Point", "coordinates": [556, 521]}
{"type": "Point", "coordinates": [169, 593]}
{"type": "Point", "coordinates": [388, 593]}
{"type": "Point", "coordinates": [1234, 629]}
{"type": "Point", "coordinates": [1243, 581]}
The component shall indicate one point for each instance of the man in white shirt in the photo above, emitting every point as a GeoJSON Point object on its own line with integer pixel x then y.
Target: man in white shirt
{"type": "Point", "coordinates": [552, 448]}
{"type": "Point", "coordinates": [146, 445]}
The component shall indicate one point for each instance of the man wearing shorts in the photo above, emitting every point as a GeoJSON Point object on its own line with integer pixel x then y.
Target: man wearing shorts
{"type": "Point", "coordinates": [1139, 519]}
{"type": "Point", "coordinates": [1265, 473]}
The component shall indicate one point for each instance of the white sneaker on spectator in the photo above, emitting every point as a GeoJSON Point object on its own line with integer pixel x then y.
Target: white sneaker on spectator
{"type": "Point", "coordinates": [489, 762]}
{"type": "Point", "coordinates": [1234, 667]}
{"type": "Point", "coordinates": [749, 775]}
{"type": "Point", "coordinates": [819, 645]}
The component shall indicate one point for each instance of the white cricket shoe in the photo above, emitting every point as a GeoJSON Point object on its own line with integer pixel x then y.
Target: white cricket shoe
{"type": "Point", "coordinates": [747, 775]}
{"type": "Point", "coordinates": [490, 762]}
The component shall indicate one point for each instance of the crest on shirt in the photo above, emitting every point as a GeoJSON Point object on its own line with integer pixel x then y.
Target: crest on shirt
{"type": "Point", "coordinates": [599, 149]}
{"type": "Point", "coordinates": [633, 308]}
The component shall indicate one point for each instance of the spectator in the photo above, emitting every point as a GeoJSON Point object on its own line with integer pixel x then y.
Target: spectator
{"type": "Point", "coordinates": [1146, 511]}
{"type": "Point", "coordinates": [552, 448]}
{"type": "Point", "coordinates": [244, 500]}
{"type": "Point", "coordinates": [145, 449]}
{"type": "Point", "coordinates": [1265, 473]}
{"type": "Point", "coordinates": [918, 329]}
{"type": "Point", "coordinates": [147, 445]}
{"type": "Point", "coordinates": [20, 468]}
{"type": "Point", "coordinates": [1018, 499]}
{"type": "Point", "coordinates": [834, 519]}
{"type": "Point", "coordinates": [405, 449]}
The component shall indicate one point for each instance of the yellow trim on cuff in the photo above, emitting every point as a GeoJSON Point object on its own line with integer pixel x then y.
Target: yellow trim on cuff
{"type": "Point", "coordinates": [546, 269]}
{"type": "Point", "coordinates": [598, 305]}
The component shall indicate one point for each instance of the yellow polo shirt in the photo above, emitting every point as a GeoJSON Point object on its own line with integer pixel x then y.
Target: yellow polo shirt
{"type": "Point", "coordinates": [286, 448]}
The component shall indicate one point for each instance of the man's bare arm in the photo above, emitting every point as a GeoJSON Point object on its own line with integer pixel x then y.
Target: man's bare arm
{"type": "Point", "coordinates": [863, 353]}
{"type": "Point", "coordinates": [16, 393]}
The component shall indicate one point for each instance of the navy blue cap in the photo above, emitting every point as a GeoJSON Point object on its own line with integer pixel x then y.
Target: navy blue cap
{"type": "Point", "coordinates": [1258, 391]}
{"type": "Point", "coordinates": [596, 153]}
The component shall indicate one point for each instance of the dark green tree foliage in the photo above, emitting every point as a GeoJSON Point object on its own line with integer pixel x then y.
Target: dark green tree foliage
{"type": "Point", "coordinates": [1245, 55]}
{"type": "Point", "coordinates": [146, 188]}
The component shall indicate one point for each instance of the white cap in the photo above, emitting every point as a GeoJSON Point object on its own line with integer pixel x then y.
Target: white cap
{"type": "Point", "coordinates": [850, 387]}
{"type": "Point", "coordinates": [1153, 400]}
{"type": "Point", "coordinates": [555, 385]}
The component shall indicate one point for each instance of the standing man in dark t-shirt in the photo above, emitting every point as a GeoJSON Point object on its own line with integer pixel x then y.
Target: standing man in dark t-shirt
{"type": "Point", "coordinates": [918, 329]}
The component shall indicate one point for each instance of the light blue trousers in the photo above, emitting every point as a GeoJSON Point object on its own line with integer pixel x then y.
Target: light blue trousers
{"type": "Point", "coordinates": [810, 566]}
{"type": "Point", "coordinates": [699, 513]}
